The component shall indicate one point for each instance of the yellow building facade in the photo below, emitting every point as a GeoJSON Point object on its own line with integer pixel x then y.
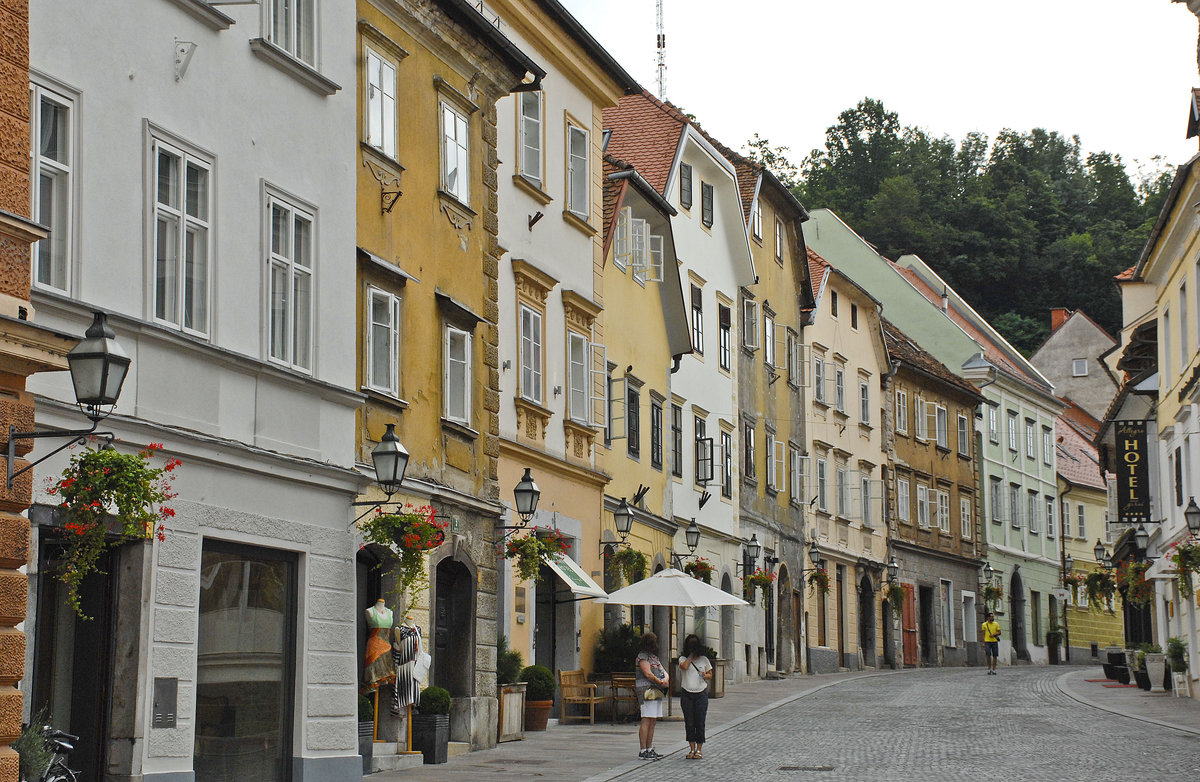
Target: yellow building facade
{"type": "Point", "coordinates": [428, 259]}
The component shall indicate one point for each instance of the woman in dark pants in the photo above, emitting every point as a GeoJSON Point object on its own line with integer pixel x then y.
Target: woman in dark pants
{"type": "Point", "coordinates": [695, 671]}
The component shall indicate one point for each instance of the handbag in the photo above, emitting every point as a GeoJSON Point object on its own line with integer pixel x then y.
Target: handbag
{"type": "Point", "coordinates": [651, 694]}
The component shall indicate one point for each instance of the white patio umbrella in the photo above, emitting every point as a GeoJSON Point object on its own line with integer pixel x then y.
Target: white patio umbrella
{"type": "Point", "coordinates": [672, 588]}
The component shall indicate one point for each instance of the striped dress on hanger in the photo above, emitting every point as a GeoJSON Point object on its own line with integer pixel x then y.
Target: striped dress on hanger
{"type": "Point", "coordinates": [406, 645]}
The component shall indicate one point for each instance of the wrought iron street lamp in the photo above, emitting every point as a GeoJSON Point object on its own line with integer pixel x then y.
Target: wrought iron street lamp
{"type": "Point", "coordinates": [893, 569]}
{"type": "Point", "coordinates": [391, 461]}
{"type": "Point", "coordinates": [98, 367]}
{"type": "Point", "coordinates": [691, 537]}
{"type": "Point", "coordinates": [750, 555]}
{"type": "Point", "coordinates": [526, 495]}
{"type": "Point", "coordinates": [1100, 552]}
{"type": "Point", "coordinates": [1142, 538]}
{"type": "Point", "coordinates": [1192, 516]}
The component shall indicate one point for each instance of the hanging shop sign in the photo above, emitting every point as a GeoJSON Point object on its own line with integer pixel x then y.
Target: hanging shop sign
{"type": "Point", "coordinates": [1133, 473]}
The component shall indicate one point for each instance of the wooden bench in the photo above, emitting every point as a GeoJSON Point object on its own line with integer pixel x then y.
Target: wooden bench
{"type": "Point", "coordinates": [577, 691]}
{"type": "Point", "coordinates": [624, 690]}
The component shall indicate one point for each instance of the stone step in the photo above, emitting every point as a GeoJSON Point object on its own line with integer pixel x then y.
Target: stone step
{"type": "Point", "coordinates": [394, 762]}
{"type": "Point", "coordinates": [456, 748]}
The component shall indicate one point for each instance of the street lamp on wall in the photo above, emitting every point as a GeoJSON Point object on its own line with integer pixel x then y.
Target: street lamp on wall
{"type": "Point", "coordinates": [1192, 516]}
{"type": "Point", "coordinates": [750, 555]}
{"type": "Point", "coordinates": [391, 461]}
{"type": "Point", "coordinates": [691, 537]}
{"type": "Point", "coordinates": [1142, 539]}
{"type": "Point", "coordinates": [893, 569]}
{"type": "Point", "coordinates": [525, 496]}
{"type": "Point", "coordinates": [98, 367]}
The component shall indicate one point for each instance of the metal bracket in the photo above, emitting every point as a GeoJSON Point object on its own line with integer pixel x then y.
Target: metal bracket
{"type": "Point", "coordinates": [183, 57]}
{"type": "Point", "coordinates": [77, 436]}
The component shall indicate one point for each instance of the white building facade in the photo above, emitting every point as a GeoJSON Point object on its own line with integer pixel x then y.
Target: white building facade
{"type": "Point", "coordinates": [194, 164]}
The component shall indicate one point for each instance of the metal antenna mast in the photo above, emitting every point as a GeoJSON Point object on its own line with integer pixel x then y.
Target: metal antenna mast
{"type": "Point", "coordinates": [662, 55]}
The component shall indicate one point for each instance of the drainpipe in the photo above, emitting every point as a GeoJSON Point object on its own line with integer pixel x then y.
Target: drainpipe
{"type": "Point", "coordinates": [1062, 563]}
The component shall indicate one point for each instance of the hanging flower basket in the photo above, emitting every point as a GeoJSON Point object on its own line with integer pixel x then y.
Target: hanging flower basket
{"type": "Point", "coordinates": [410, 534]}
{"type": "Point", "coordinates": [894, 594]}
{"type": "Point", "coordinates": [1100, 588]}
{"type": "Point", "coordinates": [992, 595]}
{"type": "Point", "coordinates": [1073, 580]}
{"type": "Point", "coordinates": [102, 483]}
{"type": "Point", "coordinates": [1186, 558]}
{"type": "Point", "coordinates": [627, 564]}
{"type": "Point", "coordinates": [818, 579]}
{"type": "Point", "coordinates": [1131, 582]}
{"type": "Point", "coordinates": [699, 568]}
{"type": "Point", "coordinates": [761, 579]}
{"type": "Point", "coordinates": [528, 550]}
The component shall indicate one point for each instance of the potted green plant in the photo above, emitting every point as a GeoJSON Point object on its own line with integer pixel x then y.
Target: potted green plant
{"type": "Point", "coordinates": [627, 564]}
{"type": "Point", "coordinates": [431, 725]}
{"type": "Point", "coordinates": [1054, 639]}
{"type": "Point", "coordinates": [101, 484]}
{"type": "Point", "coordinates": [410, 534]}
{"type": "Point", "coordinates": [1131, 582]}
{"type": "Point", "coordinates": [527, 551]}
{"type": "Point", "coordinates": [894, 594]}
{"type": "Point", "coordinates": [539, 696]}
{"type": "Point", "coordinates": [1176, 658]}
{"type": "Point", "coordinates": [366, 730]}
{"type": "Point", "coordinates": [511, 692]}
{"type": "Point", "coordinates": [762, 580]}
{"type": "Point", "coordinates": [1186, 558]}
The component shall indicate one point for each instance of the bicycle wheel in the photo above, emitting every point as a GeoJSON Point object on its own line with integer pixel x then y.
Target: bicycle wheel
{"type": "Point", "coordinates": [59, 773]}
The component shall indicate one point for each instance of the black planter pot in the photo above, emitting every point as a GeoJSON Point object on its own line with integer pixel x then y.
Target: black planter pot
{"type": "Point", "coordinates": [431, 736]}
{"type": "Point", "coordinates": [1142, 678]}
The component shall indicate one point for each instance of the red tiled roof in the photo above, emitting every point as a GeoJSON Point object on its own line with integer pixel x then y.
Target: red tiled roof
{"type": "Point", "coordinates": [748, 174]}
{"type": "Point", "coordinates": [1078, 460]}
{"type": "Point", "coordinates": [1126, 275]}
{"type": "Point", "coordinates": [645, 134]}
{"type": "Point", "coordinates": [991, 351]}
{"type": "Point", "coordinates": [901, 347]}
{"type": "Point", "coordinates": [818, 267]}
{"type": "Point", "coordinates": [612, 191]}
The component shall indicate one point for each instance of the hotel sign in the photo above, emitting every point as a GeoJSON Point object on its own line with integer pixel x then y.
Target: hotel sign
{"type": "Point", "coordinates": [1133, 473]}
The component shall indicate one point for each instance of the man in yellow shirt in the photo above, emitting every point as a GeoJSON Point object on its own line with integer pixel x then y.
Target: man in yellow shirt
{"type": "Point", "coordinates": [991, 642]}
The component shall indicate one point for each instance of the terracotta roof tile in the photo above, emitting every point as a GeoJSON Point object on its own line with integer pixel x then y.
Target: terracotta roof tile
{"type": "Point", "coordinates": [1078, 460]}
{"type": "Point", "coordinates": [748, 174]}
{"type": "Point", "coordinates": [818, 267]}
{"type": "Point", "coordinates": [612, 190]}
{"type": "Point", "coordinates": [1126, 275]}
{"type": "Point", "coordinates": [901, 347]}
{"type": "Point", "coordinates": [645, 134]}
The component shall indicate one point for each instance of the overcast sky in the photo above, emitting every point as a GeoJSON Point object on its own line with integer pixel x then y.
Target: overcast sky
{"type": "Point", "coordinates": [1114, 72]}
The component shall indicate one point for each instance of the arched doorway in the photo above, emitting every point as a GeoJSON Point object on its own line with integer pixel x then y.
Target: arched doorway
{"type": "Point", "coordinates": [727, 621]}
{"type": "Point", "coordinates": [453, 646]}
{"type": "Point", "coordinates": [866, 619]}
{"type": "Point", "coordinates": [786, 618]}
{"type": "Point", "coordinates": [1016, 604]}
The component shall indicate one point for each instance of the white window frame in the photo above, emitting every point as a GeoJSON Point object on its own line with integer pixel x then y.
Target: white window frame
{"type": "Point", "coordinates": [579, 402]}
{"type": "Point", "coordinates": [1050, 509]}
{"type": "Point", "coordinates": [286, 29]}
{"type": "Point", "coordinates": [941, 421]}
{"type": "Point", "coordinates": [795, 474]}
{"type": "Point", "coordinates": [922, 418]}
{"type": "Point", "coordinates": [578, 154]}
{"type": "Point", "coordinates": [993, 425]}
{"type": "Point", "coordinates": [55, 252]}
{"type": "Point", "coordinates": [839, 388]}
{"type": "Point", "coordinates": [456, 144]}
{"type": "Point", "coordinates": [819, 378]}
{"type": "Point", "coordinates": [1030, 447]}
{"type": "Point", "coordinates": [902, 412]}
{"type": "Point", "coordinates": [822, 486]}
{"type": "Point", "coordinates": [964, 435]}
{"type": "Point", "coordinates": [183, 223]}
{"type": "Point", "coordinates": [750, 324]}
{"type": "Point", "coordinates": [966, 523]}
{"type": "Point", "coordinates": [294, 272]}
{"type": "Point", "coordinates": [726, 463]}
{"type": "Point", "coordinates": [842, 487]}
{"type": "Point", "coordinates": [453, 367]}
{"type": "Point", "coordinates": [390, 384]}
{"type": "Point", "coordinates": [1079, 367]}
{"type": "Point", "coordinates": [769, 339]}
{"type": "Point", "coordinates": [623, 242]}
{"type": "Point", "coordinates": [1033, 504]}
{"type": "Point", "coordinates": [756, 219]}
{"type": "Point", "coordinates": [1013, 420]}
{"type": "Point", "coordinates": [1081, 521]}
{"type": "Point", "coordinates": [778, 240]}
{"type": "Point", "coordinates": [1014, 502]}
{"type": "Point", "coordinates": [996, 497]}
{"type": "Point", "coordinates": [943, 511]}
{"type": "Point", "coordinates": [795, 358]}
{"type": "Point", "coordinates": [903, 500]}
{"type": "Point", "coordinates": [529, 353]}
{"type": "Point", "coordinates": [531, 135]}
{"type": "Point", "coordinates": [1047, 446]}
{"type": "Point", "coordinates": [864, 401]}
{"type": "Point", "coordinates": [865, 498]}
{"type": "Point", "coordinates": [924, 506]}
{"type": "Point", "coordinates": [380, 119]}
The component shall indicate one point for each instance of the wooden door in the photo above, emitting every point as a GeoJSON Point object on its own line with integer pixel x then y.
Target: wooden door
{"type": "Point", "coordinates": [908, 623]}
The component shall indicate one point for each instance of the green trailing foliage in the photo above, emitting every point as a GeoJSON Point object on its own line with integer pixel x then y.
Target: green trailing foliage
{"type": "Point", "coordinates": [434, 700]}
{"type": "Point", "coordinates": [33, 756]}
{"type": "Point", "coordinates": [509, 663]}
{"type": "Point", "coordinates": [1177, 654]}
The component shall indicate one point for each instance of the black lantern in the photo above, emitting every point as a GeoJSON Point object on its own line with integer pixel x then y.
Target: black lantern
{"type": "Point", "coordinates": [623, 516]}
{"type": "Point", "coordinates": [988, 572]}
{"type": "Point", "coordinates": [1192, 516]}
{"type": "Point", "coordinates": [1142, 538]}
{"type": "Point", "coordinates": [98, 367]}
{"type": "Point", "coordinates": [893, 569]}
{"type": "Point", "coordinates": [753, 548]}
{"type": "Point", "coordinates": [1100, 552]}
{"type": "Point", "coordinates": [814, 554]}
{"type": "Point", "coordinates": [526, 495]}
{"type": "Point", "coordinates": [692, 536]}
{"type": "Point", "coordinates": [391, 460]}
{"type": "Point", "coordinates": [1069, 563]}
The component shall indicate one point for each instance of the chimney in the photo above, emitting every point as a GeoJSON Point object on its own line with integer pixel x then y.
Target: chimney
{"type": "Point", "coordinates": [1058, 316]}
{"type": "Point", "coordinates": [945, 299]}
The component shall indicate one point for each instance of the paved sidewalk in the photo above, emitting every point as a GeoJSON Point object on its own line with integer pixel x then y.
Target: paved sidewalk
{"type": "Point", "coordinates": [602, 751]}
{"type": "Point", "coordinates": [1159, 708]}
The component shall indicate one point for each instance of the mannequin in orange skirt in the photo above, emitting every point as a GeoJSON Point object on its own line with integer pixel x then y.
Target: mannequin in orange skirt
{"type": "Point", "coordinates": [378, 666]}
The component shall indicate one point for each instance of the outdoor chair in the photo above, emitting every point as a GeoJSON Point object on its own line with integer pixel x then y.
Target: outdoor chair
{"type": "Point", "coordinates": [624, 690]}
{"type": "Point", "coordinates": [576, 691]}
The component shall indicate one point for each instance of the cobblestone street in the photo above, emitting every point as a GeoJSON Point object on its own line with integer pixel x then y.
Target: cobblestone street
{"type": "Point", "coordinates": [939, 724]}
